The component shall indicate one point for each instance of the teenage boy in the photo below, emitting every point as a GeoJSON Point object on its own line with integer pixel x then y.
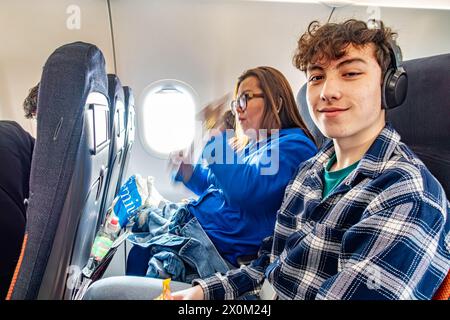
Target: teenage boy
{"type": "Point", "coordinates": [364, 219]}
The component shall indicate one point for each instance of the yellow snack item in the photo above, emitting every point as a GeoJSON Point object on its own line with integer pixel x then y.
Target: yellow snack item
{"type": "Point", "coordinates": [165, 295]}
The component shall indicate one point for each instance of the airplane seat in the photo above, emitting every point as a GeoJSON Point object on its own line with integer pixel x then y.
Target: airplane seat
{"type": "Point", "coordinates": [67, 174]}
{"type": "Point", "coordinates": [116, 149]}
{"type": "Point", "coordinates": [304, 112]}
{"type": "Point", "coordinates": [422, 121]}
{"type": "Point", "coordinates": [130, 120]}
{"type": "Point", "coordinates": [115, 262]}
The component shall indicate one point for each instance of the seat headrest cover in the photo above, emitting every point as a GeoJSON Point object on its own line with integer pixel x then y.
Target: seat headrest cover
{"type": "Point", "coordinates": [115, 91]}
{"type": "Point", "coordinates": [425, 113]}
{"type": "Point", "coordinates": [129, 97]}
{"type": "Point", "coordinates": [423, 120]}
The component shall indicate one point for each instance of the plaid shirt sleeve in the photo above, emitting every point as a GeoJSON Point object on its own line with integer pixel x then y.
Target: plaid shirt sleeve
{"type": "Point", "coordinates": [389, 254]}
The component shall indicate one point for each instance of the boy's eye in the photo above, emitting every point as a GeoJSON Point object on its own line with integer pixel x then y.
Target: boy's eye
{"type": "Point", "coordinates": [315, 78]}
{"type": "Point", "coordinates": [351, 74]}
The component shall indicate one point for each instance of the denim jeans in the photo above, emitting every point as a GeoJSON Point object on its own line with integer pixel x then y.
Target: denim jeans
{"type": "Point", "coordinates": [171, 243]}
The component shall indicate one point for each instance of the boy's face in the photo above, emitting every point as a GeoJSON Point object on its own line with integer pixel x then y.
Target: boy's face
{"type": "Point", "coordinates": [344, 95]}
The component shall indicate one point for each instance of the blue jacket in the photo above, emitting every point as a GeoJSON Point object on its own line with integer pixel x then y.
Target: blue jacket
{"type": "Point", "coordinates": [238, 201]}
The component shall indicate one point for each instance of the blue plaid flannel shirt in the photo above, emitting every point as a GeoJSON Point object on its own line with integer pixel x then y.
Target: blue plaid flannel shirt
{"type": "Point", "coordinates": [383, 233]}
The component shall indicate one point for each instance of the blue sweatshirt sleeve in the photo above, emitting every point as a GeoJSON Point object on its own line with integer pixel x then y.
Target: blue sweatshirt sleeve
{"type": "Point", "coordinates": [254, 178]}
{"type": "Point", "coordinates": [198, 183]}
{"type": "Point", "coordinates": [201, 177]}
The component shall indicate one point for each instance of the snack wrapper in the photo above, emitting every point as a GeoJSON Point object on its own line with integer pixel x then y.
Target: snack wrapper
{"type": "Point", "coordinates": [166, 294]}
{"type": "Point", "coordinates": [131, 197]}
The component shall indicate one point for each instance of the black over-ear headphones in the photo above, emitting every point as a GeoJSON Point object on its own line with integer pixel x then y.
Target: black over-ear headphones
{"type": "Point", "coordinates": [395, 83]}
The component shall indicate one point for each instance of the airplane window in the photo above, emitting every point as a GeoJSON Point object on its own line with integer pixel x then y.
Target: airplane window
{"type": "Point", "coordinates": [90, 119]}
{"type": "Point", "coordinates": [101, 126]}
{"type": "Point", "coordinates": [168, 116]}
{"type": "Point", "coordinates": [119, 123]}
{"type": "Point", "coordinates": [98, 117]}
{"type": "Point", "coordinates": [120, 118]}
{"type": "Point", "coordinates": [132, 120]}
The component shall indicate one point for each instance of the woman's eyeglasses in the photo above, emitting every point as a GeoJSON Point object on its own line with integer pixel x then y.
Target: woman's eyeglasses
{"type": "Point", "coordinates": [241, 101]}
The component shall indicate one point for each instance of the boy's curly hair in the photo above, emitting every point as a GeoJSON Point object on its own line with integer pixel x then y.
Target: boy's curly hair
{"type": "Point", "coordinates": [329, 42]}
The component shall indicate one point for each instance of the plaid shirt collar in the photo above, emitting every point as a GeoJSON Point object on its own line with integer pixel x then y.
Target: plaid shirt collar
{"type": "Point", "coordinates": [373, 162]}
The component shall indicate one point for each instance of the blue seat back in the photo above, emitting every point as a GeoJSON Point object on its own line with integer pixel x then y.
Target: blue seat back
{"type": "Point", "coordinates": [423, 120]}
{"type": "Point", "coordinates": [130, 133]}
{"type": "Point", "coordinates": [117, 146]}
{"type": "Point", "coordinates": [303, 109]}
{"type": "Point", "coordinates": [67, 173]}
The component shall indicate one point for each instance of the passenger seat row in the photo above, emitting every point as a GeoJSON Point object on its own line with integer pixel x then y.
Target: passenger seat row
{"type": "Point", "coordinates": [85, 134]}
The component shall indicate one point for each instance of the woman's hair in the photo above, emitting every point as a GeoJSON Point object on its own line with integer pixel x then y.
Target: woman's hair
{"type": "Point", "coordinates": [280, 108]}
{"type": "Point", "coordinates": [30, 102]}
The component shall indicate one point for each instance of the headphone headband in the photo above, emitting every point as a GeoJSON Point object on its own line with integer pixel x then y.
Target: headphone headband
{"type": "Point", "coordinates": [395, 83]}
{"type": "Point", "coordinates": [395, 55]}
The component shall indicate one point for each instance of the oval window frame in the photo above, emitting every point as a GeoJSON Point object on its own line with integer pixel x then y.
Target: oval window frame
{"type": "Point", "coordinates": [163, 84]}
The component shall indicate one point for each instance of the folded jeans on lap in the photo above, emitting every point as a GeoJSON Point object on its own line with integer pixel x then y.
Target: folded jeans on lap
{"type": "Point", "coordinates": [171, 243]}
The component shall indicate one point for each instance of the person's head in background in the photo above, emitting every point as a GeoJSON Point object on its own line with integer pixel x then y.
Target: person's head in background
{"type": "Point", "coordinates": [264, 100]}
{"type": "Point", "coordinates": [345, 64]}
{"type": "Point", "coordinates": [30, 103]}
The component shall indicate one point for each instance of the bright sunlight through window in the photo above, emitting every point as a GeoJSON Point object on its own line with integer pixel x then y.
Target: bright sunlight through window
{"type": "Point", "coordinates": [168, 116]}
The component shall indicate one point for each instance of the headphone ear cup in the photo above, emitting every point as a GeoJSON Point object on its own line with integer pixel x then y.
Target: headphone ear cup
{"type": "Point", "coordinates": [385, 91]}
{"type": "Point", "coordinates": [401, 87]}
{"type": "Point", "coordinates": [394, 90]}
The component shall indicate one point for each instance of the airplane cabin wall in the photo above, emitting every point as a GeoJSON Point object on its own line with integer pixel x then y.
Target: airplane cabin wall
{"type": "Point", "coordinates": [204, 43]}
{"type": "Point", "coordinates": [208, 44]}
{"type": "Point", "coordinates": [29, 32]}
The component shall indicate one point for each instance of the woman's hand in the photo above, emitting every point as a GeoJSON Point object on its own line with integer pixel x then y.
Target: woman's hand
{"type": "Point", "coordinates": [182, 161]}
{"type": "Point", "coordinates": [194, 293]}
{"type": "Point", "coordinates": [213, 116]}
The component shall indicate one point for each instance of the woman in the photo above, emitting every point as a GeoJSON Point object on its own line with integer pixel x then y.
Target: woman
{"type": "Point", "coordinates": [238, 202]}
{"type": "Point", "coordinates": [240, 181]}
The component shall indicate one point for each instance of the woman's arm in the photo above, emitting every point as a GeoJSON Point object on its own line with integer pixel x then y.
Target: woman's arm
{"type": "Point", "coordinates": [254, 179]}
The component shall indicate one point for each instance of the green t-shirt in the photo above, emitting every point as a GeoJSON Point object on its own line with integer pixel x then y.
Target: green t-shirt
{"type": "Point", "coordinates": [334, 178]}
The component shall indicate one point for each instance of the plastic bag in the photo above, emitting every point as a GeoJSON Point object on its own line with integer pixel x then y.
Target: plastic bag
{"type": "Point", "coordinates": [132, 196]}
